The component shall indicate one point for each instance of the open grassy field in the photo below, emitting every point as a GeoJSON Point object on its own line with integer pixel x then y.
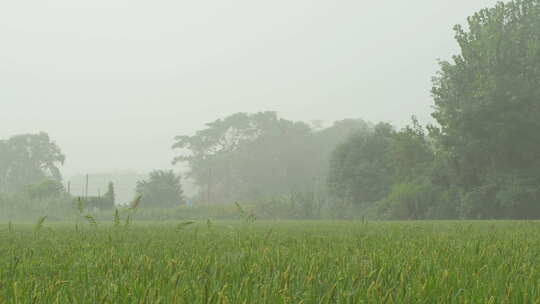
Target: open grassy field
{"type": "Point", "coordinates": [271, 262]}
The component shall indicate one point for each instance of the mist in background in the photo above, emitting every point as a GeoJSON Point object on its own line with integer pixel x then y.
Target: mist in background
{"type": "Point", "coordinates": [114, 81]}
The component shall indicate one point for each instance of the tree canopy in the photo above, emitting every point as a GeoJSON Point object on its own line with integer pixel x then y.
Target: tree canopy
{"type": "Point", "coordinates": [487, 107]}
{"type": "Point", "coordinates": [163, 188]}
{"type": "Point", "coordinates": [481, 159]}
{"type": "Point", "coordinates": [28, 159]}
{"type": "Point", "coordinates": [245, 156]}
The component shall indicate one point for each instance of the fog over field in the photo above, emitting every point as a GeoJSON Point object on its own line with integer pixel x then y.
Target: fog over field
{"type": "Point", "coordinates": [114, 81]}
{"type": "Point", "coordinates": [240, 151]}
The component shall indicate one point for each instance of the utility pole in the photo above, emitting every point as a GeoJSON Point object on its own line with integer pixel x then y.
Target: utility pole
{"type": "Point", "coordinates": [86, 188]}
{"type": "Point", "coordinates": [69, 187]}
{"type": "Point", "coordinates": [209, 184]}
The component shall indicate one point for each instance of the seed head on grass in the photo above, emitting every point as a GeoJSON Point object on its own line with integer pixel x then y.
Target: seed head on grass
{"type": "Point", "coordinates": [127, 222]}
{"type": "Point", "coordinates": [39, 223]}
{"type": "Point", "coordinates": [182, 225]}
{"type": "Point", "coordinates": [116, 218]}
{"type": "Point", "coordinates": [80, 205]}
{"type": "Point", "coordinates": [248, 217]}
{"type": "Point", "coordinates": [135, 203]}
{"type": "Point", "coordinates": [91, 220]}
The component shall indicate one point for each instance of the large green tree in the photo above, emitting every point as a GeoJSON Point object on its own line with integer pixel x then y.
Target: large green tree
{"type": "Point", "coordinates": [163, 188]}
{"type": "Point", "coordinates": [327, 139]}
{"type": "Point", "coordinates": [28, 159]}
{"type": "Point", "coordinates": [247, 156]}
{"type": "Point", "coordinates": [360, 168]}
{"type": "Point", "coordinates": [487, 105]}
{"type": "Point", "coordinates": [388, 171]}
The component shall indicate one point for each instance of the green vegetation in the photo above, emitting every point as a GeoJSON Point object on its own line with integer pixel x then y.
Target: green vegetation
{"type": "Point", "coordinates": [250, 156]}
{"type": "Point", "coordinates": [478, 161]}
{"type": "Point", "coordinates": [262, 228]}
{"type": "Point", "coordinates": [28, 159]}
{"type": "Point", "coordinates": [270, 262]}
{"type": "Point", "coordinates": [103, 202]}
{"type": "Point", "coordinates": [481, 159]}
{"type": "Point", "coordinates": [162, 189]}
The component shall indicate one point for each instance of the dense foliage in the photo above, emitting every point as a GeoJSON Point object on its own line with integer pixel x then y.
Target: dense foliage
{"type": "Point", "coordinates": [28, 159]}
{"type": "Point", "coordinates": [163, 188]}
{"type": "Point", "coordinates": [48, 188]}
{"type": "Point", "coordinates": [481, 160]}
{"type": "Point", "coordinates": [30, 178]}
{"type": "Point", "coordinates": [248, 156]}
{"type": "Point", "coordinates": [487, 103]}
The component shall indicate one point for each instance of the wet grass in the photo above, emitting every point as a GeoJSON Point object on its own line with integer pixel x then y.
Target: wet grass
{"type": "Point", "coordinates": [271, 262]}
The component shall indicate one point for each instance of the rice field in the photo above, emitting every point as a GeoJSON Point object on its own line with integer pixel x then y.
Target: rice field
{"type": "Point", "coordinates": [271, 262]}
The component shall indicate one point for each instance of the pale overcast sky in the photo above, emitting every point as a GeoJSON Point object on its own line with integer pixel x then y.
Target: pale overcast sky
{"type": "Point", "coordinates": [113, 81]}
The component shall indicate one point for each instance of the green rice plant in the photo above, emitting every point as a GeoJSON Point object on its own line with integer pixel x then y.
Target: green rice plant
{"type": "Point", "coordinates": [273, 262]}
{"type": "Point", "coordinates": [91, 220]}
{"type": "Point", "coordinates": [183, 225]}
{"type": "Point", "coordinates": [39, 224]}
{"type": "Point", "coordinates": [116, 218]}
{"type": "Point", "coordinates": [127, 221]}
{"type": "Point", "coordinates": [132, 207]}
{"type": "Point", "coordinates": [79, 203]}
{"type": "Point", "coordinates": [248, 217]}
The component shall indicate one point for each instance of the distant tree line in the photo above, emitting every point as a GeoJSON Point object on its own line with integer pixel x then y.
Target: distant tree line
{"type": "Point", "coordinates": [30, 172]}
{"type": "Point", "coordinates": [249, 156]}
{"type": "Point", "coordinates": [30, 178]}
{"type": "Point", "coordinates": [481, 160]}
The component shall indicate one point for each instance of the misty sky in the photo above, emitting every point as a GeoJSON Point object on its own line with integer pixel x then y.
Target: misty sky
{"type": "Point", "coordinates": [113, 81]}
